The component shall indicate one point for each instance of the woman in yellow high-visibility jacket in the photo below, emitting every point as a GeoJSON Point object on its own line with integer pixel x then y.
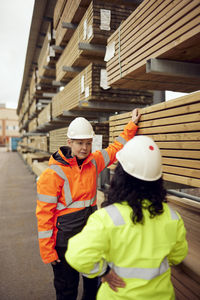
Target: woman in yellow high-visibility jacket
{"type": "Point", "coordinates": [136, 235]}
{"type": "Point", "coordinates": [66, 197]}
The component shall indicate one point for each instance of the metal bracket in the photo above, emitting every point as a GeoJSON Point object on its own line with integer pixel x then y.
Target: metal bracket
{"type": "Point", "coordinates": [58, 83]}
{"type": "Point", "coordinates": [72, 69]}
{"type": "Point", "coordinates": [50, 95]}
{"type": "Point", "coordinates": [49, 67]}
{"type": "Point", "coordinates": [46, 77]}
{"type": "Point", "coordinates": [58, 49]}
{"type": "Point", "coordinates": [92, 47]}
{"type": "Point", "coordinates": [67, 25]}
{"type": "Point", "coordinates": [172, 68]}
{"type": "Point", "coordinates": [87, 114]}
{"type": "Point", "coordinates": [109, 106]}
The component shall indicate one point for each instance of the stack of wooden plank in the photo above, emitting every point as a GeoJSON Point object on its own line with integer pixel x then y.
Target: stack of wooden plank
{"type": "Point", "coordinates": [26, 100]}
{"type": "Point", "coordinates": [166, 29]}
{"type": "Point", "coordinates": [98, 23]}
{"type": "Point", "coordinates": [32, 126]}
{"type": "Point", "coordinates": [58, 10]}
{"type": "Point", "coordinates": [186, 277]}
{"type": "Point", "coordinates": [47, 60]}
{"type": "Point", "coordinates": [32, 87]}
{"type": "Point", "coordinates": [45, 115]}
{"type": "Point", "coordinates": [57, 139]}
{"type": "Point", "coordinates": [86, 87]}
{"type": "Point", "coordinates": [102, 129]}
{"type": "Point", "coordinates": [39, 167]}
{"type": "Point", "coordinates": [38, 143]}
{"type": "Point", "coordinates": [69, 12]}
{"type": "Point", "coordinates": [23, 144]}
{"type": "Point", "coordinates": [174, 125]}
{"type": "Point", "coordinates": [36, 157]}
{"type": "Point", "coordinates": [33, 109]}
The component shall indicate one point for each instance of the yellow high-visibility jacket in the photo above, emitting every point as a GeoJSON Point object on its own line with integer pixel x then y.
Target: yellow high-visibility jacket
{"type": "Point", "coordinates": [141, 254]}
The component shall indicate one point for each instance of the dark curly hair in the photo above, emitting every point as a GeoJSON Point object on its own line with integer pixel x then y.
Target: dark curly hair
{"type": "Point", "coordinates": [125, 187]}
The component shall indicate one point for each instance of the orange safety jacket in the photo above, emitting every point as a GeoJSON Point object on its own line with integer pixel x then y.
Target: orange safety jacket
{"type": "Point", "coordinates": [66, 194]}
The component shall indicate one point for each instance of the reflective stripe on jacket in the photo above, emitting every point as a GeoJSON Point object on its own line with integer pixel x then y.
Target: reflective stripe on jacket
{"type": "Point", "coordinates": [139, 253]}
{"type": "Point", "coordinates": [64, 188]}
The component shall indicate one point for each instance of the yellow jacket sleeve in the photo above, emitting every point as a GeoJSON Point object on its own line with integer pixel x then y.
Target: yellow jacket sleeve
{"type": "Point", "coordinates": [180, 249]}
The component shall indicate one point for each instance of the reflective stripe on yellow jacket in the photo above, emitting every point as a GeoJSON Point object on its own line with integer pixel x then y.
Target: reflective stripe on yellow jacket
{"type": "Point", "coordinates": [139, 253]}
{"type": "Point", "coordinates": [64, 188]}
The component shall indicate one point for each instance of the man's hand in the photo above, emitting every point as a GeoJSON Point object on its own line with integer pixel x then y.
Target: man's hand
{"type": "Point", "coordinates": [113, 280]}
{"type": "Point", "coordinates": [55, 262]}
{"type": "Point", "coordinates": [135, 116]}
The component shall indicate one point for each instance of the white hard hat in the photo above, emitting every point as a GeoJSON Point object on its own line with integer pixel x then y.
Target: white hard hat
{"type": "Point", "coordinates": [80, 128]}
{"type": "Point", "coordinates": [141, 158]}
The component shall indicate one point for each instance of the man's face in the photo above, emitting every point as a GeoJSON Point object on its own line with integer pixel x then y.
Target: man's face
{"type": "Point", "coordinates": [80, 148]}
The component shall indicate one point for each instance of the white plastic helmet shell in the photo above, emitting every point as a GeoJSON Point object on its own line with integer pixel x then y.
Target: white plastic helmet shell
{"type": "Point", "coordinates": [80, 128]}
{"type": "Point", "coordinates": [141, 158]}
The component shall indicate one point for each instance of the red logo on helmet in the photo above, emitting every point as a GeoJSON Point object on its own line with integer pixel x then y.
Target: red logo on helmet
{"type": "Point", "coordinates": [151, 148]}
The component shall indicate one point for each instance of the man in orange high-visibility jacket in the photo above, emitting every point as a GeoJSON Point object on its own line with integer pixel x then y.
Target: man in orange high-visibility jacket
{"type": "Point", "coordinates": [67, 196]}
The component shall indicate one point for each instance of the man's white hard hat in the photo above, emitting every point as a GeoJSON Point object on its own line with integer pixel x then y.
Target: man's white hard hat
{"type": "Point", "coordinates": [80, 128]}
{"type": "Point", "coordinates": [141, 158]}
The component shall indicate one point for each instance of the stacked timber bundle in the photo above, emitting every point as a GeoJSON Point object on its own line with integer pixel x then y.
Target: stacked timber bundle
{"type": "Point", "coordinates": [23, 144]}
{"type": "Point", "coordinates": [45, 115]}
{"type": "Point", "coordinates": [102, 128]}
{"type": "Point", "coordinates": [98, 23]}
{"type": "Point", "coordinates": [68, 12]}
{"type": "Point", "coordinates": [26, 100]}
{"type": "Point", "coordinates": [174, 125]}
{"type": "Point", "coordinates": [39, 167]}
{"type": "Point", "coordinates": [157, 31]}
{"type": "Point", "coordinates": [33, 111]}
{"type": "Point", "coordinates": [58, 10]}
{"type": "Point", "coordinates": [36, 157]}
{"type": "Point", "coordinates": [32, 126]}
{"type": "Point", "coordinates": [39, 143]}
{"type": "Point", "coordinates": [58, 137]}
{"type": "Point", "coordinates": [47, 59]}
{"type": "Point", "coordinates": [186, 277]}
{"type": "Point", "coordinates": [91, 86]}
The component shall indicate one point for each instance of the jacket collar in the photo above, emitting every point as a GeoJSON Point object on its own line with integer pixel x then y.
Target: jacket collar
{"type": "Point", "coordinates": [63, 156]}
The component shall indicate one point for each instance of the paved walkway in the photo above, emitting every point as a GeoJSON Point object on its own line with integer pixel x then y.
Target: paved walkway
{"type": "Point", "coordinates": [23, 276]}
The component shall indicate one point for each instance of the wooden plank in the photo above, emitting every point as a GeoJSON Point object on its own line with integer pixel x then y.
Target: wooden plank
{"type": "Point", "coordinates": [182, 180]}
{"type": "Point", "coordinates": [171, 128]}
{"type": "Point", "coordinates": [179, 145]}
{"type": "Point", "coordinates": [194, 173]}
{"type": "Point", "coordinates": [183, 153]}
{"type": "Point", "coordinates": [89, 33]}
{"type": "Point", "coordinates": [188, 163]}
{"type": "Point", "coordinates": [167, 26]}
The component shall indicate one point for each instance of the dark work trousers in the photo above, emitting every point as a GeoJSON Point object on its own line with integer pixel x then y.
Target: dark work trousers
{"type": "Point", "coordinates": [66, 280]}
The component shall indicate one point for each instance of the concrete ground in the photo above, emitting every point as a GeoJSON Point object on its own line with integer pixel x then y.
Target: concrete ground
{"type": "Point", "coordinates": [23, 276]}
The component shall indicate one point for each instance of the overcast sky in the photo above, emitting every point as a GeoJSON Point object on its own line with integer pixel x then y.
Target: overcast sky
{"type": "Point", "coordinates": [15, 21]}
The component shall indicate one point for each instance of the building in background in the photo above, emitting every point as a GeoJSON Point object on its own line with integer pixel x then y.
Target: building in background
{"type": "Point", "coordinates": [9, 130]}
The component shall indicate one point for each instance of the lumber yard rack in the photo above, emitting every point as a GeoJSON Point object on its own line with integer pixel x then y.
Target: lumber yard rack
{"type": "Point", "coordinates": [100, 60]}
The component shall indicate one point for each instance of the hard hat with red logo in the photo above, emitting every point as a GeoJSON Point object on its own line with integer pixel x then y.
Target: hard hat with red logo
{"type": "Point", "coordinates": [141, 158]}
{"type": "Point", "coordinates": [80, 128]}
